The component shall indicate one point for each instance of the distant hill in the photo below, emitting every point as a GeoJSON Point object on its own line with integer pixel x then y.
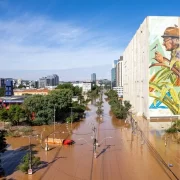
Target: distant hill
{"type": "Point", "coordinates": [102, 72]}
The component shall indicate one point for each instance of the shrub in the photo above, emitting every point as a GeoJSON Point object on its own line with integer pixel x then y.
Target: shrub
{"type": "Point", "coordinates": [174, 128]}
{"type": "Point", "coordinates": [171, 130]}
{"type": "Point", "coordinates": [24, 165]}
{"type": "Point", "coordinates": [26, 130]}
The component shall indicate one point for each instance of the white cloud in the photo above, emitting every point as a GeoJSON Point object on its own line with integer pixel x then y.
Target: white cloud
{"type": "Point", "coordinates": [40, 43]}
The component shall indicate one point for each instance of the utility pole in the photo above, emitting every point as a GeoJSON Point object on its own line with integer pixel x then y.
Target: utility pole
{"type": "Point", "coordinates": [94, 142]}
{"type": "Point", "coordinates": [54, 123]}
{"type": "Point", "coordinates": [46, 145]}
{"type": "Point", "coordinates": [71, 118]}
{"type": "Point", "coordinates": [30, 158]}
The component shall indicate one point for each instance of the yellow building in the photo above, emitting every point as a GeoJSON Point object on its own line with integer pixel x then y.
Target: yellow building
{"type": "Point", "coordinates": [21, 92]}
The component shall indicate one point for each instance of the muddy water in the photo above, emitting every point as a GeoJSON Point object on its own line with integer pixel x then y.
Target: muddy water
{"type": "Point", "coordinates": [165, 144]}
{"type": "Point", "coordinates": [120, 155]}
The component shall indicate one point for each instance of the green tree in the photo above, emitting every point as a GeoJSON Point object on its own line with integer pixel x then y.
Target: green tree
{"type": "Point", "coordinates": [127, 105]}
{"type": "Point", "coordinates": [95, 92]}
{"type": "Point", "coordinates": [4, 115]}
{"type": "Point", "coordinates": [3, 143]}
{"type": "Point", "coordinates": [174, 128]}
{"type": "Point", "coordinates": [15, 114]}
{"type": "Point", "coordinates": [2, 92]}
{"type": "Point", "coordinates": [77, 91]}
{"type": "Point", "coordinates": [43, 106]}
{"type": "Point", "coordinates": [119, 109]}
{"type": "Point", "coordinates": [24, 165]}
{"type": "Point", "coordinates": [62, 98]}
{"type": "Point", "coordinates": [99, 103]}
{"type": "Point", "coordinates": [99, 111]}
{"type": "Point", "coordinates": [21, 86]}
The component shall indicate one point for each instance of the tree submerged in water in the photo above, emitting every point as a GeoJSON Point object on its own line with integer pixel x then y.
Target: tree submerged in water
{"type": "Point", "coordinates": [24, 165]}
{"type": "Point", "coordinates": [119, 108]}
{"type": "Point", "coordinates": [174, 128]}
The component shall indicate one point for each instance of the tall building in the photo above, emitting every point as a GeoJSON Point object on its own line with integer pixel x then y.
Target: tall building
{"type": "Point", "coordinates": [119, 72]}
{"type": "Point", "coordinates": [151, 68]}
{"type": "Point", "coordinates": [42, 82]}
{"type": "Point", "coordinates": [113, 73]}
{"type": "Point", "coordinates": [113, 77]}
{"type": "Point", "coordinates": [119, 77]}
{"type": "Point", "coordinates": [36, 84]}
{"type": "Point", "coordinates": [9, 87]}
{"type": "Point", "coordinates": [114, 63]}
{"type": "Point", "coordinates": [2, 83]}
{"type": "Point", "coordinates": [51, 80]}
{"type": "Point", "coordinates": [93, 78]}
{"type": "Point", "coordinates": [19, 82]}
{"type": "Point", "coordinates": [56, 79]}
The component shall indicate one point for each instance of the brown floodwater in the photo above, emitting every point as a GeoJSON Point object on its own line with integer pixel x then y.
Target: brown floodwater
{"type": "Point", "coordinates": [120, 156]}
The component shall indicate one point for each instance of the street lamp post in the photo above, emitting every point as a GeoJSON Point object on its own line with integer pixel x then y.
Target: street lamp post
{"type": "Point", "coordinates": [94, 141]}
{"type": "Point", "coordinates": [46, 145]}
{"type": "Point", "coordinates": [71, 117]}
{"type": "Point", "coordinates": [54, 123]}
{"type": "Point", "coordinates": [30, 157]}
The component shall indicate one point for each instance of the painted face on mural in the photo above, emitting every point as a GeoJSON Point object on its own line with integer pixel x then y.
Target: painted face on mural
{"type": "Point", "coordinates": [170, 43]}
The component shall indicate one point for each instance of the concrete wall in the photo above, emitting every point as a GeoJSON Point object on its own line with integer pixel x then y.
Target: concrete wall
{"type": "Point", "coordinates": [138, 73]}
{"type": "Point", "coordinates": [135, 71]}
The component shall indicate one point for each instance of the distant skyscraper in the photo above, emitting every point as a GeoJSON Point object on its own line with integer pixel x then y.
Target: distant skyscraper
{"type": "Point", "coordinates": [119, 72]}
{"type": "Point", "coordinates": [56, 79]}
{"type": "Point", "coordinates": [113, 73]}
{"type": "Point", "coordinates": [114, 63]}
{"type": "Point", "coordinates": [119, 77]}
{"type": "Point", "coordinates": [9, 87]}
{"type": "Point", "coordinates": [52, 80]}
{"type": "Point", "coordinates": [2, 83]}
{"type": "Point", "coordinates": [36, 84]}
{"type": "Point", "coordinates": [93, 77]}
{"type": "Point", "coordinates": [113, 77]}
{"type": "Point", "coordinates": [42, 82]}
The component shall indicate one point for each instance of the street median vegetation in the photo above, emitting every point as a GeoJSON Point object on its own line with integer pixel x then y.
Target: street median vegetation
{"type": "Point", "coordinates": [119, 108]}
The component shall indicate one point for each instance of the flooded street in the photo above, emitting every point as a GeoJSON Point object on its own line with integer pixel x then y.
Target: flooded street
{"type": "Point", "coordinates": [120, 155]}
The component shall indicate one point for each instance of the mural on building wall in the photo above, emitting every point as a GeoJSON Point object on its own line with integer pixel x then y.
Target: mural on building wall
{"type": "Point", "coordinates": [164, 68]}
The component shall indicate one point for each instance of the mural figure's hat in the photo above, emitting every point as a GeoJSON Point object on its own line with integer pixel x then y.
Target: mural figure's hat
{"type": "Point", "coordinates": [173, 32]}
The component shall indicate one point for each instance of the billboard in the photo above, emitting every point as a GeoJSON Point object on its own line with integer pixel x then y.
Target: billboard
{"type": "Point", "coordinates": [164, 66]}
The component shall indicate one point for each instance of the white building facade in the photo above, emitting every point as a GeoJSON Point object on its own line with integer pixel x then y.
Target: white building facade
{"type": "Point", "coordinates": [119, 91]}
{"type": "Point", "coordinates": [86, 86]}
{"type": "Point", "coordinates": [152, 87]}
{"type": "Point", "coordinates": [119, 72]}
{"type": "Point", "coordinates": [119, 77]}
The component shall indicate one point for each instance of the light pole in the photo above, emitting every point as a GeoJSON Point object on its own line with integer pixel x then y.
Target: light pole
{"type": "Point", "coordinates": [30, 170]}
{"type": "Point", "coordinates": [30, 157]}
{"type": "Point", "coordinates": [54, 123]}
{"type": "Point", "coordinates": [71, 117]}
{"type": "Point", "coordinates": [94, 141]}
{"type": "Point", "coordinates": [46, 145]}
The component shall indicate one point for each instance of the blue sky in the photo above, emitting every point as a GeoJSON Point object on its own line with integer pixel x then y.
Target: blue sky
{"type": "Point", "coordinates": [66, 34]}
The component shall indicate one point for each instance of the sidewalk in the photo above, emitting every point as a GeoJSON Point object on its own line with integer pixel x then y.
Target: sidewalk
{"type": "Point", "coordinates": [164, 144]}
